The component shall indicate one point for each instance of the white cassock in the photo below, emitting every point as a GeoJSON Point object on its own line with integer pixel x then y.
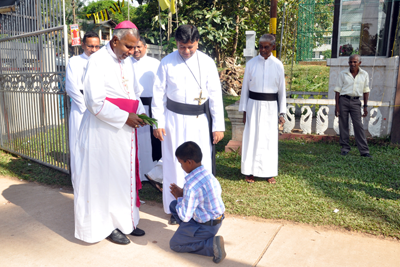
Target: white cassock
{"type": "Point", "coordinates": [145, 71]}
{"type": "Point", "coordinates": [260, 135]}
{"type": "Point", "coordinates": [175, 81]}
{"type": "Point", "coordinates": [105, 194]}
{"type": "Point", "coordinates": [74, 85]}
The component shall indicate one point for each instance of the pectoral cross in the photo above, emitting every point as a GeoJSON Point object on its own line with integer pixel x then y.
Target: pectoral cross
{"type": "Point", "coordinates": [200, 99]}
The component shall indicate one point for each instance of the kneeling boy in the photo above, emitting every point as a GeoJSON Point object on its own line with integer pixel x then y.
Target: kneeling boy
{"type": "Point", "coordinates": [199, 209]}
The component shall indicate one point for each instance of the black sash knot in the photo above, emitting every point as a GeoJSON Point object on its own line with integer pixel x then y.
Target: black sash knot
{"type": "Point", "coordinates": [195, 110]}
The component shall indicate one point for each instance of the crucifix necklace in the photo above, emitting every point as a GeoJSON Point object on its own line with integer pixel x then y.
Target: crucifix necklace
{"type": "Point", "coordinates": [200, 98]}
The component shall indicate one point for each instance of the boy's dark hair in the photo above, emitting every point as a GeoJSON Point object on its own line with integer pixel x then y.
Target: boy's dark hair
{"type": "Point", "coordinates": [186, 33]}
{"type": "Point", "coordinates": [143, 41]}
{"type": "Point", "coordinates": [89, 35]}
{"type": "Point", "coordinates": [189, 150]}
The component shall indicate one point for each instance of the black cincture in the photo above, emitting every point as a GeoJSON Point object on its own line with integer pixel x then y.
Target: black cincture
{"type": "Point", "coordinates": [155, 143]}
{"type": "Point", "coordinates": [263, 96]}
{"type": "Point", "coordinates": [195, 110]}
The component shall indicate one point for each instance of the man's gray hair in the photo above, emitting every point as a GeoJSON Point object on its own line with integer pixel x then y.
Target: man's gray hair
{"type": "Point", "coordinates": [120, 33]}
{"type": "Point", "coordinates": [268, 38]}
{"type": "Point", "coordinates": [355, 56]}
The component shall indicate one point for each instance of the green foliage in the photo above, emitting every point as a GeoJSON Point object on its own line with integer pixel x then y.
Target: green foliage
{"type": "Point", "coordinates": [307, 78]}
{"type": "Point", "coordinates": [15, 166]}
{"type": "Point", "coordinates": [222, 24]}
{"type": "Point", "coordinates": [94, 7]}
{"type": "Point", "coordinates": [314, 180]}
{"type": "Point", "coordinates": [327, 54]}
{"type": "Point", "coordinates": [148, 120]}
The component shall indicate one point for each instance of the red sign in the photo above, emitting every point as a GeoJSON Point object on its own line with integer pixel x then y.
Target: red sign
{"type": "Point", "coordinates": [76, 40]}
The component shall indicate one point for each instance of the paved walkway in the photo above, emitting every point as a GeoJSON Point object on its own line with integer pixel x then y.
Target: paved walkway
{"type": "Point", "coordinates": [37, 229]}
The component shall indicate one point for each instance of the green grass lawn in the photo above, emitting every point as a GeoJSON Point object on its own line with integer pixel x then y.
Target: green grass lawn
{"type": "Point", "coordinates": [314, 180]}
{"type": "Point", "coordinates": [307, 78]}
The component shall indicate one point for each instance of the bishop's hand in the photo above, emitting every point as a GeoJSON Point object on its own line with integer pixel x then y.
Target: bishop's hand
{"type": "Point", "coordinates": [134, 121]}
{"type": "Point", "coordinates": [176, 191]}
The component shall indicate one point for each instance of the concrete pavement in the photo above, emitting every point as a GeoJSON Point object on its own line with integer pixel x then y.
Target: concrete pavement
{"type": "Point", "coordinates": [37, 229]}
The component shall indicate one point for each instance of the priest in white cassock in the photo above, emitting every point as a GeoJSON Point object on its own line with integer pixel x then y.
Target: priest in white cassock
{"type": "Point", "coordinates": [145, 69]}
{"type": "Point", "coordinates": [263, 102]}
{"type": "Point", "coordinates": [187, 102]}
{"type": "Point", "coordinates": [106, 165]}
{"type": "Point", "coordinates": [74, 86]}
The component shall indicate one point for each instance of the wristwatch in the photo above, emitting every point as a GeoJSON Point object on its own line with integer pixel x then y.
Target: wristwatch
{"type": "Point", "coordinates": [282, 115]}
{"type": "Point", "coordinates": [365, 106]}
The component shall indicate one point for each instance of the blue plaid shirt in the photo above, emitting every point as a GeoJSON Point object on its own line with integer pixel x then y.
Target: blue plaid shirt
{"type": "Point", "coordinates": [201, 197]}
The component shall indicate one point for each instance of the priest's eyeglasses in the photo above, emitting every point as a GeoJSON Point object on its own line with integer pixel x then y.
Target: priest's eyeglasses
{"type": "Point", "coordinates": [93, 46]}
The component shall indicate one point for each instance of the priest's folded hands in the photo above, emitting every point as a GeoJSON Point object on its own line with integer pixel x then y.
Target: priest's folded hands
{"type": "Point", "coordinates": [134, 121]}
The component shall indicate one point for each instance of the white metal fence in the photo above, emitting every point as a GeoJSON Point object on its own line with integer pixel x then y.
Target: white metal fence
{"type": "Point", "coordinates": [34, 106]}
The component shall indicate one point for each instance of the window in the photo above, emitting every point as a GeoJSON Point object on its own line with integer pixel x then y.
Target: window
{"type": "Point", "coordinates": [369, 34]}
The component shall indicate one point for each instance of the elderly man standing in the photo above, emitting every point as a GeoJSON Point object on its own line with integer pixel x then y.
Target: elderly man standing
{"type": "Point", "coordinates": [106, 174]}
{"type": "Point", "coordinates": [187, 101]}
{"type": "Point", "coordinates": [353, 83]}
{"type": "Point", "coordinates": [74, 87]}
{"type": "Point", "coordinates": [145, 69]}
{"type": "Point", "coordinates": [263, 101]}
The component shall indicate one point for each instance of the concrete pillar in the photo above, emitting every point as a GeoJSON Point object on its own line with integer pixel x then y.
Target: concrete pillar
{"type": "Point", "coordinates": [250, 51]}
{"type": "Point", "coordinates": [395, 131]}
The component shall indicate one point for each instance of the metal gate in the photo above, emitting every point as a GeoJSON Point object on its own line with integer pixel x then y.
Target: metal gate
{"type": "Point", "coordinates": [314, 27]}
{"type": "Point", "coordinates": [34, 106]}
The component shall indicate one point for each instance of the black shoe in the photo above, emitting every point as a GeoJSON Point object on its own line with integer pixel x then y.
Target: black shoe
{"type": "Point", "coordinates": [367, 155]}
{"type": "Point", "coordinates": [154, 184]}
{"type": "Point", "coordinates": [172, 220]}
{"type": "Point", "coordinates": [118, 237]}
{"type": "Point", "coordinates": [137, 232]}
{"type": "Point", "coordinates": [344, 153]}
{"type": "Point", "coordinates": [219, 249]}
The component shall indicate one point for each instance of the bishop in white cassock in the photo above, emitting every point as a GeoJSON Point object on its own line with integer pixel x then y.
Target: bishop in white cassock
{"type": "Point", "coordinates": [106, 178]}
{"type": "Point", "coordinates": [145, 69]}
{"type": "Point", "coordinates": [263, 96]}
{"type": "Point", "coordinates": [74, 86]}
{"type": "Point", "coordinates": [187, 82]}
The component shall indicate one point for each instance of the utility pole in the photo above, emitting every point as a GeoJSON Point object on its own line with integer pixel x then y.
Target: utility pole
{"type": "Point", "coordinates": [273, 20]}
{"type": "Point", "coordinates": [76, 49]}
{"type": "Point", "coordinates": [283, 26]}
{"type": "Point", "coordinates": [169, 29]}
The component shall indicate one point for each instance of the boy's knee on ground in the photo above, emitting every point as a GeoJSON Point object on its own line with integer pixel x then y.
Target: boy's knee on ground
{"type": "Point", "coordinates": [174, 245]}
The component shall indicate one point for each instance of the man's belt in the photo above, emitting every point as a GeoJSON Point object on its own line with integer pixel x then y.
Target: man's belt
{"type": "Point", "coordinates": [155, 143]}
{"type": "Point", "coordinates": [350, 97]}
{"type": "Point", "coordinates": [214, 222]}
{"type": "Point", "coordinates": [263, 96]}
{"type": "Point", "coordinates": [146, 101]}
{"type": "Point", "coordinates": [186, 109]}
{"type": "Point", "coordinates": [195, 110]}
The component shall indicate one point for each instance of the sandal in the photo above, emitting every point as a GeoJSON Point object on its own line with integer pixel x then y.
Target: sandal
{"type": "Point", "coordinates": [271, 180]}
{"type": "Point", "coordinates": [250, 179]}
{"type": "Point", "coordinates": [154, 184]}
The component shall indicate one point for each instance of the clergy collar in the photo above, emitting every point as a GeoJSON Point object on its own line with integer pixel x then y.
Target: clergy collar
{"type": "Point", "coordinates": [84, 55]}
{"type": "Point", "coordinates": [264, 58]}
{"type": "Point", "coordinates": [193, 56]}
{"type": "Point", "coordinates": [140, 58]}
{"type": "Point", "coordinates": [111, 52]}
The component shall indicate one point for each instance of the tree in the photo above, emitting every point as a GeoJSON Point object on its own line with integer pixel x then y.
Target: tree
{"type": "Point", "coordinates": [327, 54]}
